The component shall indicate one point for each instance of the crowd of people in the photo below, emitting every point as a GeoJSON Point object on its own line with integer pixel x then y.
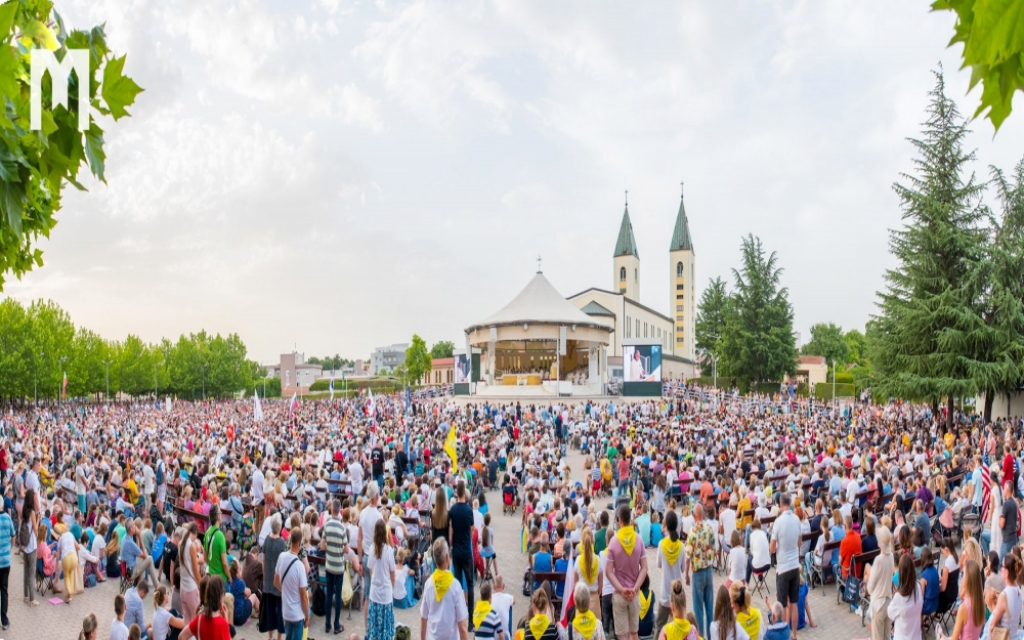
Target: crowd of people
{"type": "Point", "coordinates": [225, 520]}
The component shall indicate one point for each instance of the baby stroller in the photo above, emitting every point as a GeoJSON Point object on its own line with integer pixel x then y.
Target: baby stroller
{"type": "Point", "coordinates": [508, 499]}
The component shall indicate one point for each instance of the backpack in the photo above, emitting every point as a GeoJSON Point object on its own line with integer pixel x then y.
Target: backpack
{"type": "Point", "coordinates": [24, 534]}
{"type": "Point", "coordinates": [160, 472]}
{"type": "Point", "coordinates": [319, 606]}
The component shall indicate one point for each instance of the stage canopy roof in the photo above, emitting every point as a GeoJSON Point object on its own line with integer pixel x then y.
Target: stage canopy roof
{"type": "Point", "coordinates": [539, 303]}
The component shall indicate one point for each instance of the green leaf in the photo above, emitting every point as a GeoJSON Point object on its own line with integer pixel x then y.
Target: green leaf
{"type": "Point", "coordinates": [10, 202]}
{"type": "Point", "coordinates": [7, 13]}
{"type": "Point", "coordinates": [94, 151]}
{"type": "Point", "coordinates": [119, 90]}
{"type": "Point", "coordinates": [41, 35]}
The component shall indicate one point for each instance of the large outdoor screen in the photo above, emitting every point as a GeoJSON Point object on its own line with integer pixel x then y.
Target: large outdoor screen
{"type": "Point", "coordinates": [641, 363]}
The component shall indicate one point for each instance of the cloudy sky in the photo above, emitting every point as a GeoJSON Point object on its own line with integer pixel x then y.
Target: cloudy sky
{"type": "Point", "coordinates": [339, 175]}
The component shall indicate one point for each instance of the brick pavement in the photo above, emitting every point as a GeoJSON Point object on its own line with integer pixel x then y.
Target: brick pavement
{"type": "Point", "coordinates": [63, 621]}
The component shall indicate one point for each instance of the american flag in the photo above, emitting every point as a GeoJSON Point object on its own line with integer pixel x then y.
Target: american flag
{"type": "Point", "coordinates": [986, 492]}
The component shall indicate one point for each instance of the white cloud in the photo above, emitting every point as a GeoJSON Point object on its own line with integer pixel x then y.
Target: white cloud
{"type": "Point", "coordinates": [344, 174]}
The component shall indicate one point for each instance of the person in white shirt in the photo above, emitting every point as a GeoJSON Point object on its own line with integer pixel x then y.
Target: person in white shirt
{"type": "Point", "coordinates": [906, 604]}
{"type": "Point", "coordinates": [760, 557]}
{"type": "Point", "coordinates": [256, 492]}
{"type": "Point", "coordinates": [293, 584]}
{"type": "Point", "coordinates": [503, 602]}
{"type": "Point", "coordinates": [118, 630]}
{"type": "Point", "coordinates": [443, 612]}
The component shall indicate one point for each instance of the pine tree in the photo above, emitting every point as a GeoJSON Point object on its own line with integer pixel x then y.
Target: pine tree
{"type": "Point", "coordinates": [929, 334]}
{"type": "Point", "coordinates": [758, 343]}
{"type": "Point", "coordinates": [710, 322]}
{"type": "Point", "coordinates": [1001, 369]}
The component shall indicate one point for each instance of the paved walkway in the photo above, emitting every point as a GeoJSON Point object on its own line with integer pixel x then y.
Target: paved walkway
{"type": "Point", "coordinates": [63, 621]}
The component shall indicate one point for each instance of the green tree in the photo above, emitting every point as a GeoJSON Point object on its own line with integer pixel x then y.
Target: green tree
{"type": "Point", "coordinates": [1000, 368]}
{"type": "Point", "coordinates": [442, 349]}
{"type": "Point", "coordinates": [758, 343]}
{"type": "Point", "coordinates": [992, 32]}
{"type": "Point", "coordinates": [857, 346]}
{"type": "Point", "coordinates": [417, 359]}
{"type": "Point", "coordinates": [930, 311]}
{"type": "Point", "coordinates": [709, 326]}
{"type": "Point", "coordinates": [15, 350]}
{"type": "Point", "coordinates": [36, 165]}
{"type": "Point", "coordinates": [52, 337]}
{"type": "Point", "coordinates": [827, 340]}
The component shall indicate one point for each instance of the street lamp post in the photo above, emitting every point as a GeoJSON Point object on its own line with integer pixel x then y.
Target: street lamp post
{"type": "Point", "coordinates": [35, 380]}
{"type": "Point", "coordinates": [106, 365]}
{"type": "Point", "coordinates": [60, 362]}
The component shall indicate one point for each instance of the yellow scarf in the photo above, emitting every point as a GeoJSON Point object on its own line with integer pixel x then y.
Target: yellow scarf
{"type": "Point", "coordinates": [442, 580]}
{"type": "Point", "coordinates": [585, 623]}
{"type": "Point", "coordinates": [750, 621]}
{"type": "Point", "coordinates": [627, 538]}
{"type": "Point", "coordinates": [480, 612]}
{"type": "Point", "coordinates": [671, 549]}
{"type": "Point", "coordinates": [591, 570]}
{"type": "Point", "coordinates": [645, 604]}
{"type": "Point", "coordinates": [678, 629]}
{"type": "Point", "coordinates": [538, 625]}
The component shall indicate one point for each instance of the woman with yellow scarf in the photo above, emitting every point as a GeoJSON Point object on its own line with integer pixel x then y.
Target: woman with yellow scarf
{"type": "Point", "coordinates": [679, 628]}
{"type": "Point", "coordinates": [585, 625]}
{"type": "Point", "coordinates": [588, 569]}
{"type": "Point", "coordinates": [539, 626]}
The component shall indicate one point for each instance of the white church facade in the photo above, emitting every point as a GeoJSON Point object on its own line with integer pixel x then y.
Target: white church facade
{"type": "Point", "coordinates": [619, 307]}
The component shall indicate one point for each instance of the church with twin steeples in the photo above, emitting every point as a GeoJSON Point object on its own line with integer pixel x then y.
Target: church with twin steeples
{"type": "Point", "coordinates": [619, 305]}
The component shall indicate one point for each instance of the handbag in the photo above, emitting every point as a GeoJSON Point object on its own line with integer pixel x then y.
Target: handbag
{"type": "Point", "coordinates": [346, 587]}
{"type": "Point", "coordinates": [999, 633]}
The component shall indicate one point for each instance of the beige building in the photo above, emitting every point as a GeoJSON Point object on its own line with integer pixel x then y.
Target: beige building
{"type": "Point", "coordinates": [619, 307]}
{"type": "Point", "coordinates": [1002, 407]}
{"type": "Point", "coordinates": [442, 371]}
{"type": "Point", "coordinates": [295, 374]}
{"type": "Point", "coordinates": [810, 369]}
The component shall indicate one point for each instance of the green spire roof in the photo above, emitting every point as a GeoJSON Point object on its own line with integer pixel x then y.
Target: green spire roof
{"type": "Point", "coordinates": [681, 234]}
{"type": "Point", "coordinates": [626, 244]}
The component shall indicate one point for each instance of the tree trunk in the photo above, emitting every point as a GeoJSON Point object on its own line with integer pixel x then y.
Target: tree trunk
{"type": "Point", "coordinates": [949, 412]}
{"type": "Point", "coordinates": [989, 397]}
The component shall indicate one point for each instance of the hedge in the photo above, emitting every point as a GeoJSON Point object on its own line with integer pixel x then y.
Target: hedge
{"type": "Point", "coordinates": [724, 382]}
{"type": "Point", "coordinates": [823, 391]}
{"type": "Point", "coordinates": [767, 388]}
{"type": "Point", "coordinates": [844, 377]}
{"type": "Point", "coordinates": [377, 384]}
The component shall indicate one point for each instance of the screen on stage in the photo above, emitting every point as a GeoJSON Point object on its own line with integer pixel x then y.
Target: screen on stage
{"type": "Point", "coordinates": [641, 363]}
{"type": "Point", "coordinates": [462, 369]}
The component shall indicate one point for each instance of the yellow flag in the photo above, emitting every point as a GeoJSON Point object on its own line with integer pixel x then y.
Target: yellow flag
{"type": "Point", "coordinates": [449, 448]}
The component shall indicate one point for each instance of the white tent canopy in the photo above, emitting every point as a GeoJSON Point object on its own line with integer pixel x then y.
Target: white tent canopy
{"type": "Point", "coordinates": [538, 303]}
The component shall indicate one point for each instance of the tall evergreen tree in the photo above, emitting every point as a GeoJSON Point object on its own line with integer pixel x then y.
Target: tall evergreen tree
{"type": "Point", "coordinates": [928, 326]}
{"type": "Point", "coordinates": [710, 322]}
{"type": "Point", "coordinates": [758, 343]}
{"type": "Point", "coordinates": [1001, 370]}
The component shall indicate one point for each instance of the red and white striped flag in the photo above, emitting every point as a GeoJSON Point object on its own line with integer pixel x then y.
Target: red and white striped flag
{"type": "Point", "coordinates": [986, 492]}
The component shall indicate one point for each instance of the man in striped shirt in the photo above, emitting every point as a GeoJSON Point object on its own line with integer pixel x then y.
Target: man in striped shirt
{"type": "Point", "coordinates": [485, 618]}
{"type": "Point", "coordinates": [334, 540]}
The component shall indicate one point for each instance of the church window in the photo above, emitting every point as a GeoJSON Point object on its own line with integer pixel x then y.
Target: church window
{"type": "Point", "coordinates": [679, 269]}
{"type": "Point", "coordinates": [622, 274]}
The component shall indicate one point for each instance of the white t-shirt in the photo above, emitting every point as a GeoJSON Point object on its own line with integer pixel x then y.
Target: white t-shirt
{"type": "Point", "coordinates": [443, 617]}
{"type": "Point", "coordinates": [737, 564]}
{"type": "Point", "coordinates": [787, 532]}
{"type": "Point", "coordinates": [381, 568]}
{"type": "Point", "coordinates": [118, 631]}
{"type": "Point", "coordinates": [728, 520]}
{"type": "Point", "coordinates": [291, 586]}
{"type": "Point", "coordinates": [368, 519]}
{"type": "Point", "coordinates": [502, 603]}
{"type": "Point", "coordinates": [737, 634]}
{"type": "Point", "coordinates": [609, 588]}
{"type": "Point", "coordinates": [257, 487]}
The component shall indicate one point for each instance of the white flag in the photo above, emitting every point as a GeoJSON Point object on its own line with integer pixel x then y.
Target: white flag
{"type": "Point", "coordinates": [257, 409]}
{"type": "Point", "coordinates": [168, 404]}
{"type": "Point", "coordinates": [332, 387]}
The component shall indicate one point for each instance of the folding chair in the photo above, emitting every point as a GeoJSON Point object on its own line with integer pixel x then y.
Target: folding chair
{"type": "Point", "coordinates": [43, 581]}
{"type": "Point", "coordinates": [761, 580]}
{"type": "Point", "coordinates": [126, 578]}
